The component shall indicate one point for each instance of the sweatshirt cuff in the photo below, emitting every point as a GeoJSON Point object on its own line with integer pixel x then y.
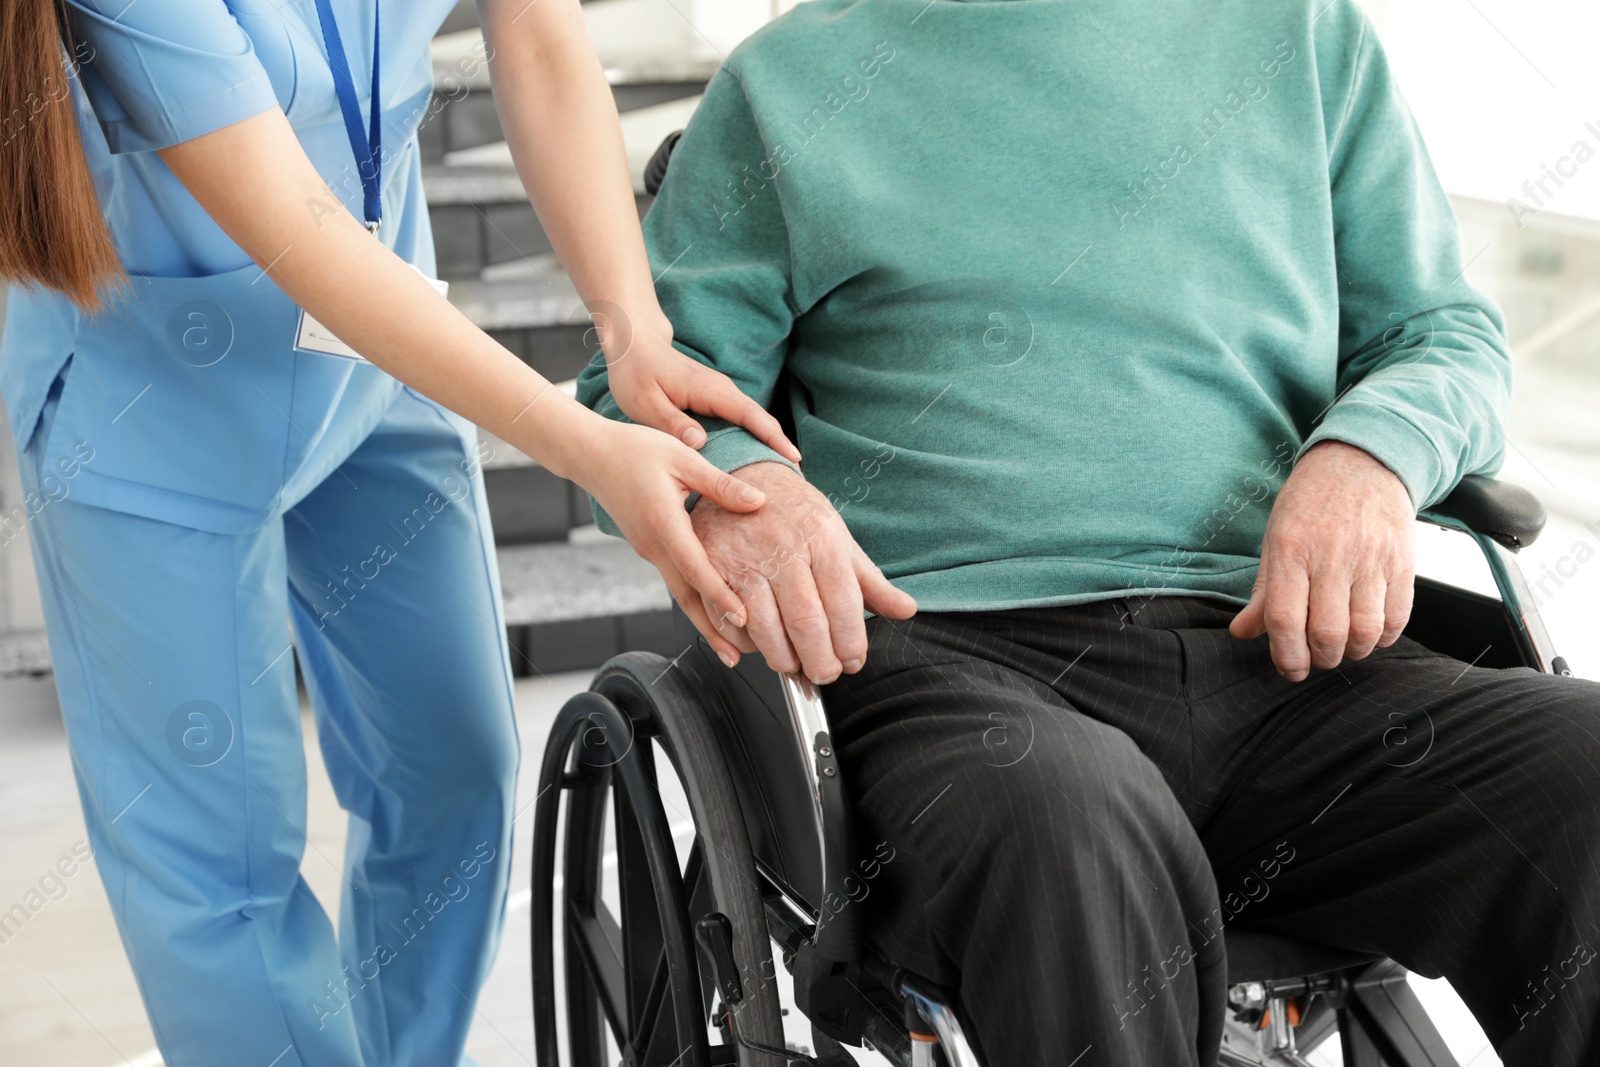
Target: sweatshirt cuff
{"type": "Point", "coordinates": [727, 448]}
{"type": "Point", "coordinates": [1392, 440]}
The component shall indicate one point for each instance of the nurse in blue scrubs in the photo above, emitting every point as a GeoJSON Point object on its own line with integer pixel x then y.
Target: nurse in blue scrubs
{"type": "Point", "coordinates": [248, 415]}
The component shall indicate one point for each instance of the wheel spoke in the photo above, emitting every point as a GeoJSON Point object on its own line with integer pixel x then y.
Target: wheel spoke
{"type": "Point", "coordinates": [656, 999]}
{"type": "Point", "coordinates": [591, 942]}
{"type": "Point", "coordinates": [642, 939]}
{"type": "Point", "coordinates": [658, 1034]}
{"type": "Point", "coordinates": [666, 920]}
{"type": "Point", "coordinates": [701, 901]}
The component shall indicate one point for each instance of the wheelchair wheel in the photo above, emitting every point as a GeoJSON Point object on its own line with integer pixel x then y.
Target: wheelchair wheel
{"type": "Point", "coordinates": [634, 976]}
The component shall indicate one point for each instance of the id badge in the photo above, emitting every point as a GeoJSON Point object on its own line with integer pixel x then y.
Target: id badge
{"type": "Point", "coordinates": [312, 336]}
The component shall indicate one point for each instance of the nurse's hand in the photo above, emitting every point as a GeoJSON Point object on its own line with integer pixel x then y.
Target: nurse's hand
{"type": "Point", "coordinates": [643, 478]}
{"type": "Point", "coordinates": [655, 384]}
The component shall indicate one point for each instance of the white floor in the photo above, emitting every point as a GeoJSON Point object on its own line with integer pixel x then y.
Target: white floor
{"type": "Point", "coordinates": [67, 997]}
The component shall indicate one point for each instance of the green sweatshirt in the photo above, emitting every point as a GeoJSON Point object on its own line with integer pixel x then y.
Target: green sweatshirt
{"type": "Point", "coordinates": [1063, 287]}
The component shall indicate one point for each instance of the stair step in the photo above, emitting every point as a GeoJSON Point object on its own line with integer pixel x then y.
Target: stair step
{"type": "Point", "coordinates": [481, 214]}
{"type": "Point", "coordinates": [538, 318]}
{"type": "Point", "coordinates": [528, 504]}
{"type": "Point", "coordinates": [643, 130]}
{"type": "Point", "coordinates": [642, 74]}
{"type": "Point", "coordinates": [549, 299]}
{"type": "Point", "coordinates": [629, 56]}
{"type": "Point", "coordinates": [465, 183]}
{"type": "Point", "coordinates": [465, 15]}
{"type": "Point", "coordinates": [586, 579]}
{"type": "Point", "coordinates": [480, 211]}
{"type": "Point", "coordinates": [568, 606]}
{"type": "Point", "coordinates": [461, 119]}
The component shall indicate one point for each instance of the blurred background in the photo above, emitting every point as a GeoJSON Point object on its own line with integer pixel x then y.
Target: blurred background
{"type": "Point", "coordinates": [1508, 96]}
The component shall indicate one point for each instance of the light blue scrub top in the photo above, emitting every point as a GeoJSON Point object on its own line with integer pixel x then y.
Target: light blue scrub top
{"type": "Point", "coordinates": [188, 388]}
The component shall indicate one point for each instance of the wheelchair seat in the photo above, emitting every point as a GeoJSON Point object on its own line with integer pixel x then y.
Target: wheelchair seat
{"type": "Point", "coordinates": [1258, 955]}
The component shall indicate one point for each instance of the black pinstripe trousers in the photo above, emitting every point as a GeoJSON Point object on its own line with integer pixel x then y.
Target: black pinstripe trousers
{"type": "Point", "coordinates": [1078, 799]}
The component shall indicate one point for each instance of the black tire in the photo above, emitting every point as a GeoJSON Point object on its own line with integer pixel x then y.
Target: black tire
{"type": "Point", "coordinates": [604, 741]}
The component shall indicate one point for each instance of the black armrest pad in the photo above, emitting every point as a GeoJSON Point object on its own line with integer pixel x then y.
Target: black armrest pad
{"type": "Point", "coordinates": [1508, 513]}
{"type": "Point", "coordinates": [655, 172]}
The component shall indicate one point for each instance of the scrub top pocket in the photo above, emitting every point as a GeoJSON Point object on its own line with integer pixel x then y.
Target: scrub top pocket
{"type": "Point", "coordinates": [184, 389]}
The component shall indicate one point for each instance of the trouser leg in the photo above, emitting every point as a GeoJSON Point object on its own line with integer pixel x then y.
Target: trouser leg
{"type": "Point", "coordinates": [172, 662]}
{"type": "Point", "coordinates": [1042, 864]}
{"type": "Point", "coordinates": [397, 614]}
{"type": "Point", "coordinates": [1442, 815]}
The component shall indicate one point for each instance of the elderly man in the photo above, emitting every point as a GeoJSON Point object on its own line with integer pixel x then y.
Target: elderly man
{"type": "Point", "coordinates": [1128, 340]}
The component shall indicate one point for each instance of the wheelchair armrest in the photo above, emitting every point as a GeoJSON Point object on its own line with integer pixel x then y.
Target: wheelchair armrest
{"type": "Point", "coordinates": [1501, 511]}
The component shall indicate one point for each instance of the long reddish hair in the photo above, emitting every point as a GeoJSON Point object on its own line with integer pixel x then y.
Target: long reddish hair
{"type": "Point", "coordinates": [52, 231]}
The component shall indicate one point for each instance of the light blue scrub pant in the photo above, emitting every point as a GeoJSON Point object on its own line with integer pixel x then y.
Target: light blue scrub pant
{"type": "Point", "coordinates": [172, 661]}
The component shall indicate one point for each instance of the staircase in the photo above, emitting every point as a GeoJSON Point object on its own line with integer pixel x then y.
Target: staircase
{"type": "Point", "coordinates": [573, 597]}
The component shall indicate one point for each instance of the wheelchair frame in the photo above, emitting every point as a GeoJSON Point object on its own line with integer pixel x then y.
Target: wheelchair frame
{"type": "Point", "coordinates": [690, 935]}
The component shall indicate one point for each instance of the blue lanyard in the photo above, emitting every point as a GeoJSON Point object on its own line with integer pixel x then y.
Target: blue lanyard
{"type": "Point", "coordinates": [369, 149]}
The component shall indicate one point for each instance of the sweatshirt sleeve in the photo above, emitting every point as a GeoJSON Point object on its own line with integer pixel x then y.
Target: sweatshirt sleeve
{"type": "Point", "coordinates": [719, 249]}
{"type": "Point", "coordinates": [1424, 370]}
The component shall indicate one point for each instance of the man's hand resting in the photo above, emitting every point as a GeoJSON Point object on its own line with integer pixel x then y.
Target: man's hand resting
{"type": "Point", "coordinates": [1337, 563]}
{"type": "Point", "coordinates": [802, 577]}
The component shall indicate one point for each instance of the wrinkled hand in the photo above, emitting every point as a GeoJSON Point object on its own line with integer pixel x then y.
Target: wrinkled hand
{"type": "Point", "coordinates": [642, 478]}
{"type": "Point", "coordinates": [1337, 563]}
{"type": "Point", "coordinates": [802, 577]}
{"type": "Point", "coordinates": [655, 385]}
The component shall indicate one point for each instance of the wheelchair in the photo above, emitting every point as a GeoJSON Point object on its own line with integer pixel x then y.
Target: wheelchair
{"type": "Point", "coordinates": [664, 946]}
{"type": "Point", "coordinates": [687, 952]}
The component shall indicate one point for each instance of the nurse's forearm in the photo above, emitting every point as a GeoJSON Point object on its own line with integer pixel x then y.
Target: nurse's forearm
{"type": "Point", "coordinates": [254, 179]}
{"type": "Point", "coordinates": [550, 91]}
